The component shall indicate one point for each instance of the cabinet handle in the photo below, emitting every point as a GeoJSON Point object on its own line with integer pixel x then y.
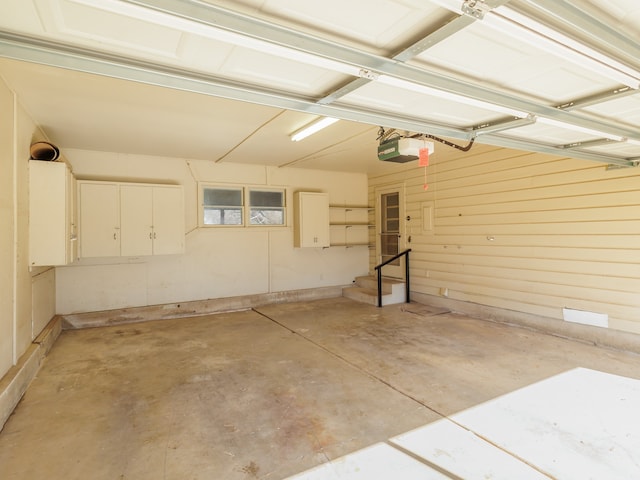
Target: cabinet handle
{"type": "Point", "coordinates": [114, 236]}
{"type": "Point", "coordinates": [150, 236]}
{"type": "Point", "coordinates": [154, 235]}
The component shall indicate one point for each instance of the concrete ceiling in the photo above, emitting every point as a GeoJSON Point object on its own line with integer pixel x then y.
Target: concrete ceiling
{"type": "Point", "coordinates": [229, 81]}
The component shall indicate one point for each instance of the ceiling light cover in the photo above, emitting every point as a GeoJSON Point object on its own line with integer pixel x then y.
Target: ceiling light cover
{"type": "Point", "coordinates": [312, 128]}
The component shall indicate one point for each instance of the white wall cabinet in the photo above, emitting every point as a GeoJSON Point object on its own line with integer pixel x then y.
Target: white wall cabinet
{"type": "Point", "coordinates": [52, 225]}
{"type": "Point", "coordinates": [99, 219]}
{"type": "Point", "coordinates": [311, 220]}
{"type": "Point", "coordinates": [122, 219]}
{"type": "Point", "coordinates": [168, 220]}
{"type": "Point", "coordinates": [136, 220]}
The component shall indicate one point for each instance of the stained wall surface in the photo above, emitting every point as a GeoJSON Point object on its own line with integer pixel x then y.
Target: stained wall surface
{"type": "Point", "coordinates": [218, 262]}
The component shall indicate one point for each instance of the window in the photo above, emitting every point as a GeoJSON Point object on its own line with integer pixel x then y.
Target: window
{"type": "Point", "coordinates": [222, 206]}
{"type": "Point", "coordinates": [266, 207]}
{"type": "Point", "coordinates": [233, 205]}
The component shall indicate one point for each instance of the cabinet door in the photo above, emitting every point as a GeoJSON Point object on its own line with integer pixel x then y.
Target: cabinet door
{"type": "Point", "coordinates": [168, 220]}
{"type": "Point", "coordinates": [99, 220]}
{"type": "Point", "coordinates": [311, 228]}
{"type": "Point", "coordinates": [48, 214]}
{"type": "Point", "coordinates": [136, 225]}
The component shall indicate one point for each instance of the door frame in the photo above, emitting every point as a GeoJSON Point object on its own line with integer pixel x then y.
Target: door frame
{"type": "Point", "coordinates": [394, 271]}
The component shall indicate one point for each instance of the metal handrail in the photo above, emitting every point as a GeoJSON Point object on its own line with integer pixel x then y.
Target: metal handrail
{"type": "Point", "coordinates": [404, 253]}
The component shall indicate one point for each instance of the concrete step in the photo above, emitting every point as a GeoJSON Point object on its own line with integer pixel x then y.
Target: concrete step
{"type": "Point", "coordinates": [389, 285]}
{"type": "Point", "coordinates": [365, 290]}
{"type": "Point", "coordinates": [362, 295]}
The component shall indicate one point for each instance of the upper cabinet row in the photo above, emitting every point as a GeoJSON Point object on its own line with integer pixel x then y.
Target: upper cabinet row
{"type": "Point", "coordinates": [124, 219]}
{"type": "Point", "coordinates": [106, 219]}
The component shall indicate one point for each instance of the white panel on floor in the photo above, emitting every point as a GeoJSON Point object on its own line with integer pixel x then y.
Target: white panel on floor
{"type": "Point", "coordinates": [464, 454]}
{"type": "Point", "coordinates": [580, 424]}
{"type": "Point", "coordinates": [378, 462]}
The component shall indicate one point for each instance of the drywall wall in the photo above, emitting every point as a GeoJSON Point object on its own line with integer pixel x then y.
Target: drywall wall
{"type": "Point", "coordinates": [525, 232]}
{"type": "Point", "coordinates": [24, 310]}
{"type": "Point", "coordinates": [24, 334]}
{"type": "Point", "coordinates": [7, 226]}
{"type": "Point", "coordinates": [218, 261]}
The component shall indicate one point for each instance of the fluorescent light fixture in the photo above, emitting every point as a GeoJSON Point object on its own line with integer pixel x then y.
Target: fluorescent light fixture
{"type": "Point", "coordinates": [415, 87]}
{"type": "Point", "coordinates": [577, 128]}
{"type": "Point", "coordinates": [312, 128]}
{"type": "Point", "coordinates": [185, 25]}
{"type": "Point", "coordinates": [523, 28]}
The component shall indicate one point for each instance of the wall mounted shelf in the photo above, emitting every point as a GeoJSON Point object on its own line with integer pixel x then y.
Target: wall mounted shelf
{"type": "Point", "coordinates": [350, 225]}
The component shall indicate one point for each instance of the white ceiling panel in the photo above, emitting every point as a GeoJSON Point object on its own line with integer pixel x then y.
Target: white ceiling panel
{"type": "Point", "coordinates": [550, 134]}
{"type": "Point", "coordinates": [68, 18]}
{"type": "Point", "coordinates": [466, 53]}
{"type": "Point", "coordinates": [382, 26]}
{"type": "Point", "coordinates": [489, 56]}
{"type": "Point", "coordinates": [625, 12]}
{"type": "Point", "coordinates": [625, 109]}
{"type": "Point", "coordinates": [203, 54]}
{"type": "Point", "coordinates": [559, 82]}
{"type": "Point", "coordinates": [277, 72]}
{"type": "Point", "coordinates": [622, 149]}
{"type": "Point", "coordinates": [20, 15]}
{"type": "Point", "coordinates": [405, 102]}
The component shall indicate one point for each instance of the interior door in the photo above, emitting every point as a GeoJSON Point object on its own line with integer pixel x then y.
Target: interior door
{"type": "Point", "coordinates": [391, 235]}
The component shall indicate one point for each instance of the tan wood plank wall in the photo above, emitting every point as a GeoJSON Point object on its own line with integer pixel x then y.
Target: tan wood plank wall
{"type": "Point", "coordinates": [527, 232]}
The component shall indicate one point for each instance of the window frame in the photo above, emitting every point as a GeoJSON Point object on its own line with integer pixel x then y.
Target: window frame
{"type": "Point", "coordinates": [246, 207]}
{"type": "Point", "coordinates": [282, 208]}
{"type": "Point", "coordinates": [203, 207]}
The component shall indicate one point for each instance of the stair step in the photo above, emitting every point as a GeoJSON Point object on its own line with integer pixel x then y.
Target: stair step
{"type": "Point", "coordinates": [361, 294]}
{"type": "Point", "coordinates": [365, 290]}
{"type": "Point", "coordinates": [389, 285]}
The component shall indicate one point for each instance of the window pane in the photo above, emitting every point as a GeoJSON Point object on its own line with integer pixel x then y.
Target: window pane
{"type": "Point", "coordinates": [223, 197]}
{"type": "Point", "coordinates": [222, 216]}
{"type": "Point", "coordinates": [266, 207]}
{"type": "Point", "coordinates": [267, 216]}
{"type": "Point", "coordinates": [259, 198]}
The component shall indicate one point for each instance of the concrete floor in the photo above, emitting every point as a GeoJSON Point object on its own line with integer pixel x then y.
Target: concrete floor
{"type": "Point", "coordinates": [266, 393]}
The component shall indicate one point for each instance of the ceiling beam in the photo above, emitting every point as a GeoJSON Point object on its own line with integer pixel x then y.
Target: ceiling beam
{"type": "Point", "coordinates": [502, 125]}
{"type": "Point", "coordinates": [597, 98]}
{"type": "Point", "coordinates": [527, 145]}
{"type": "Point", "coordinates": [587, 144]}
{"type": "Point", "coordinates": [448, 29]}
